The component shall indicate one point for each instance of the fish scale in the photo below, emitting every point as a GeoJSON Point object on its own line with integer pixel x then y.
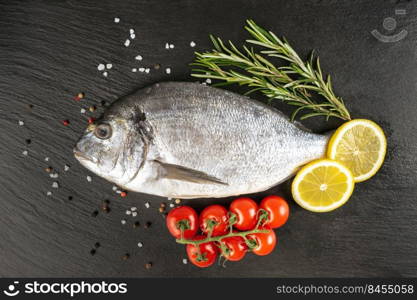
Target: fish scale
{"type": "Point", "coordinates": [204, 142]}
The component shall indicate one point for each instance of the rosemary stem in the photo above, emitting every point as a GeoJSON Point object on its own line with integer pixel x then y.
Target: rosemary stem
{"type": "Point", "coordinates": [294, 83]}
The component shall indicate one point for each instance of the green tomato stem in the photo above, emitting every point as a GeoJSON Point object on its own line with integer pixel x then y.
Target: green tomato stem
{"type": "Point", "coordinates": [242, 234]}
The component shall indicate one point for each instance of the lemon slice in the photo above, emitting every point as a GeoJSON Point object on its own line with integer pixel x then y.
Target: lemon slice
{"type": "Point", "coordinates": [322, 185]}
{"type": "Point", "coordinates": [361, 146]}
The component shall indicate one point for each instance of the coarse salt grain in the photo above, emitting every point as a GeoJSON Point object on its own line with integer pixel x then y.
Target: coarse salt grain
{"type": "Point", "coordinates": [100, 67]}
{"type": "Point", "coordinates": [166, 46]}
{"type": "Point", "coordinates": [171, 46]}
{"type": "Point", "coordinates": [134, 208]}
{"type": "Point", "coordinates": [55, 185]}
{"type": "Point", "coordinates": [105, 74]}
{"type": "Point", "coordinates": [132, 36]}
{"type": "Point", "coordinates": [21, 123]}
{"type": "Point", "coordinates": [89, 178]}
{"type": "Point", "coordinates": [116, 20]}
{"type": "Point", "coordinates": [109, 66]}
{"type": "Point", "coordinates": [141, 69]}
{"type": "Point", "coordinates": [82, 110]}
{"type": "Point", "coordinates": [168, 70]}
{"type": "Point", "coordinates": [25, 152]}
{"type": "Point", "coordinates": [134, 214]}
{"type": "Point", "coordinates": [147, 70]}
{"type": "Point", "coordinates": [138, 57]}
{"type": "Point", "coordinates": [184, 261]}
{"type": "Point", "coordinates": [46, 158]}
{"type": "Point", "coordinates": [131, 31]}
{"type": "Point", "coordinates": [192, 44]}
{"type": "Point", "coordinates": [147, 205]}
{"type": "Point", "coordinates": [128, 212]}
{"type": "Point", "coordinates": [140, 245]}
{"type": "Point", "coordinates": [123, 222]}
{"type": "Point", "coordinates": [114, 188]}
{"type": "Point", "coordinates": [48, 193]}
{"type": "Point", "coordinates": [134, 70]}
{"type": "Point", "coordinates": [171, 205]}
{"type": "Point", "coordinates": [208, 80]}
{"type": "Point", "coordinates": [66, 168]}
{"type": "Point", "coordinates": [127, 43]}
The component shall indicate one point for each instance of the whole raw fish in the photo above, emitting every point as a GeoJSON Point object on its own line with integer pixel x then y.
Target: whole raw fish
{"type": "Point", "coordinates": [187, 140]}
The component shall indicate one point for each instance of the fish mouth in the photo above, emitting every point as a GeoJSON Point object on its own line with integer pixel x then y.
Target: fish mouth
{"type": "Point", "coordinates": [82, 156]}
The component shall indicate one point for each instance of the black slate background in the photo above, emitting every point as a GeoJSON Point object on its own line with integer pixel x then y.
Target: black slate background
{"type": "Point", "coordinates": [49, 51]}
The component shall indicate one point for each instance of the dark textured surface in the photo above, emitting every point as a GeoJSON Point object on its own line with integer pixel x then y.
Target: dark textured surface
{"type": "Point", "coordinates": [50, 52]}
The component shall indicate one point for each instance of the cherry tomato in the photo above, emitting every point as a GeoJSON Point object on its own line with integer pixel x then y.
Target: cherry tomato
{"type": "Point", "coordinates": [277, 209]}
{"type": "Point", "coordinates": [265, 242]}
{"type": "Point", "coordinates": [236, 248]}
{"type": "Point", "coordinates": [245, 210]}
{"type": "Point", "coordinates": [216, 214]}
{"type": "Point", "coordinates": [206, 256]}
{"type": "Point", "coordinates": [182, 217]}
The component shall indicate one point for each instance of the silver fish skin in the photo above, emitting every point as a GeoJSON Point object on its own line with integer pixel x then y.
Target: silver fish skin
{"type": "Point", "coordinates": [187, 140]}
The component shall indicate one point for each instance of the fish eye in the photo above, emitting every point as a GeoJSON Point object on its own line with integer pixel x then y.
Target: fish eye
{"type": "Point", "coordinates": [103, 131]}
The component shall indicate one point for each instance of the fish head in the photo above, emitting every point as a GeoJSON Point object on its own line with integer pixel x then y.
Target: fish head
{"type": "Point", "coordinates": [112, 148]}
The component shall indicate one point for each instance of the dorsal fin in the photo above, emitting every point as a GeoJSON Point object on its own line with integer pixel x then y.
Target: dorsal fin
{"type": "Point", "coordinates": [301, 126]}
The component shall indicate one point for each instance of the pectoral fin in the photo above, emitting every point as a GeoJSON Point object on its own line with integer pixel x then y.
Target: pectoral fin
{"type": "Point", "coordinates": [186, 174]}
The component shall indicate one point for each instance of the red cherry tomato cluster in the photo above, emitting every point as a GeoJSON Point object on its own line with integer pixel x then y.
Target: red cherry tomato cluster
{"type": "Point", "coordinates": [229, 233]}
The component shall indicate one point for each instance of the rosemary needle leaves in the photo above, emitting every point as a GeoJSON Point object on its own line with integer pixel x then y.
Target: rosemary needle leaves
{"type": "Point", "coordinates": [294, 83]}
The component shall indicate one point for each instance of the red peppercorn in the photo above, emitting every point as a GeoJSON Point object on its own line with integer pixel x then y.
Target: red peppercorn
{"type": "Point", "coordinates": [79, 96]}
{"type": "Point", "coordinates": [123, 194]}
{"type": "Point", "coordinates": [91, 120]}
{"type": "Point", "coordinates": [65, 122]}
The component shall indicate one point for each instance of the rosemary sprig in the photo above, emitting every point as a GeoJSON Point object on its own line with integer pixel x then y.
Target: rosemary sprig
{"type": "Point", "coordinates": [292, 83]}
